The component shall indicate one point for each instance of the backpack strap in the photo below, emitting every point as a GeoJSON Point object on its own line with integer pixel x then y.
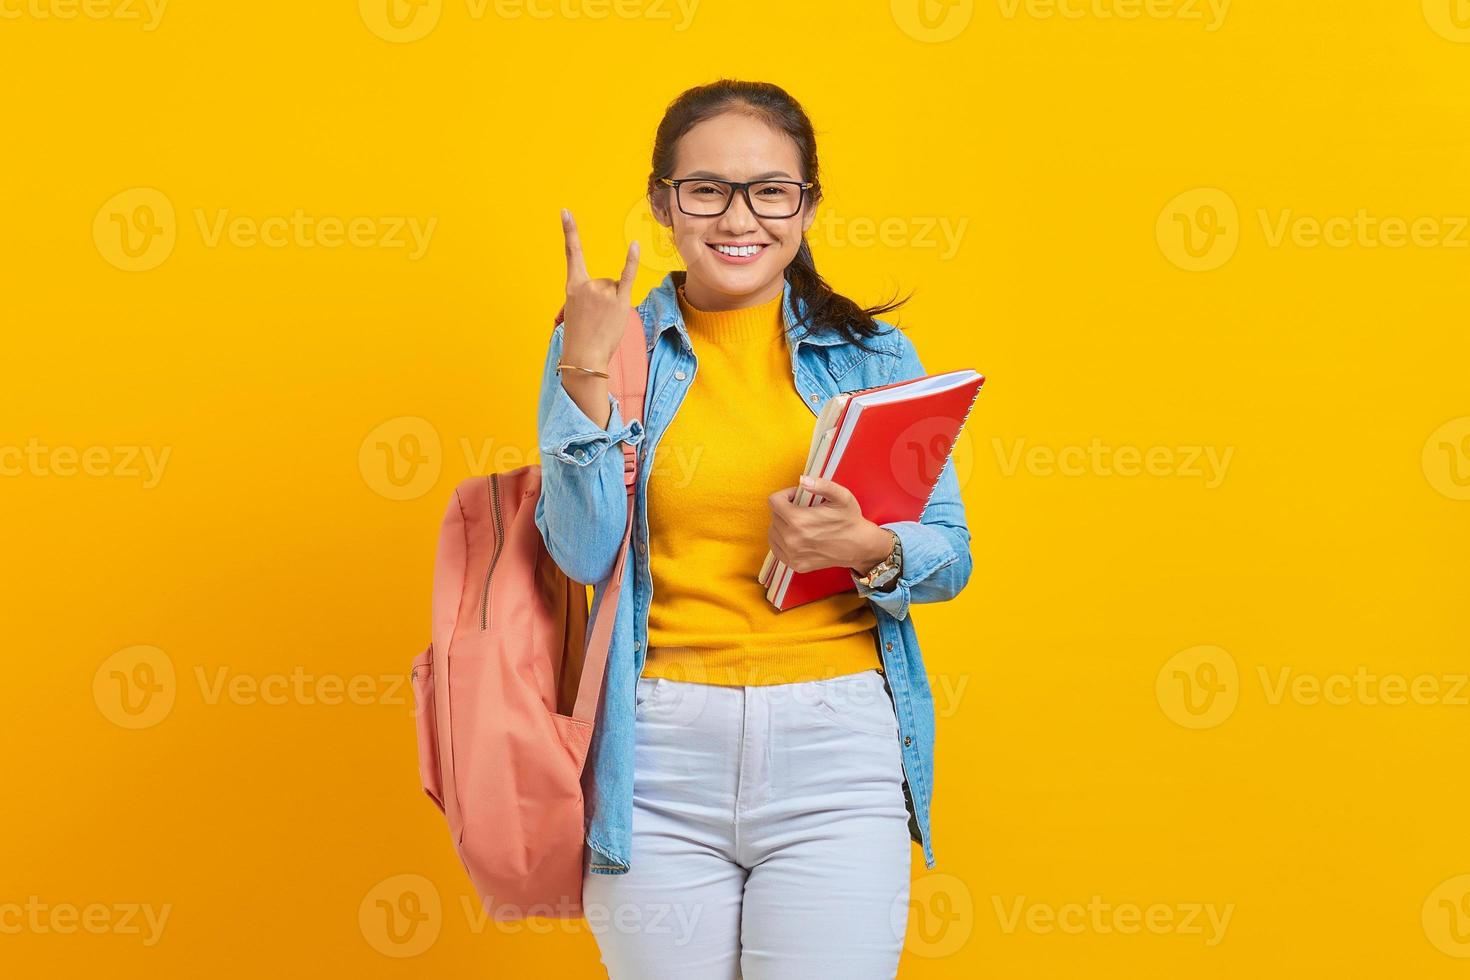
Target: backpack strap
{"type": "Point", "coordinates": [628, 382]}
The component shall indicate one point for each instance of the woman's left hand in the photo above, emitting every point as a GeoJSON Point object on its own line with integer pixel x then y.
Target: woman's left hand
{"type": "Point", "coordinates": [830, 532]}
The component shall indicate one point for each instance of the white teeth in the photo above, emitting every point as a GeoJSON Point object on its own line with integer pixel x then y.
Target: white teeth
{"type": "Point", "coordinates": [738, 250]}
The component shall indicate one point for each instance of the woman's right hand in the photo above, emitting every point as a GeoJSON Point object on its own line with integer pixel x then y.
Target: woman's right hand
{"type": "Point", "coordinates": [596, 315]}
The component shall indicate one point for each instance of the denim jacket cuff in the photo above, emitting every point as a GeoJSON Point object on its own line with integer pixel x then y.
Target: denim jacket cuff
{"type": "Point", "coordinates": [925, 551]}
{"type": "Point", "coordinates": [569, 435]}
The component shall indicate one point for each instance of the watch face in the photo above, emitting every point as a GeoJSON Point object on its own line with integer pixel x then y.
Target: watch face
{"type": "Point", "coordinates": [884, 576]}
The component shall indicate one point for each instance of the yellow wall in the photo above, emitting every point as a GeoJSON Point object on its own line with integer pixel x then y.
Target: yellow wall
{"type": "Point", "coordinates": [1212, 660]}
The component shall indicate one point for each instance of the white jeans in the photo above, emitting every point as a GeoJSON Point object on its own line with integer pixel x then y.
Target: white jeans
{"type": "Point", "coordinates": [770, 835]}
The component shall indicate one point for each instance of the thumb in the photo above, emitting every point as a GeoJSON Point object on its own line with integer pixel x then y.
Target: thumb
{"type": "Point", "coordinates": [835, 492]}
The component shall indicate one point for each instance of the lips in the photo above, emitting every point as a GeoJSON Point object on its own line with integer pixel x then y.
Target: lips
{"type": "Point", "coordinates": [744, 259]}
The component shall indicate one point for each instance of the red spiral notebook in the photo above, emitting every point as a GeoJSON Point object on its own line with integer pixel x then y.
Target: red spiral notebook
{"type": "Point", "coordinates": [887, 445]}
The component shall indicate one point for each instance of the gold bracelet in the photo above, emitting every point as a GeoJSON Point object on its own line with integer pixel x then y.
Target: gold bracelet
{"type": "Point", "coordinates": [600, 374]}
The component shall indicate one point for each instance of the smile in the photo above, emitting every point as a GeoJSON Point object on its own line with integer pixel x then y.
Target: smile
{"type": "Point", "coordinates": [739, 252]}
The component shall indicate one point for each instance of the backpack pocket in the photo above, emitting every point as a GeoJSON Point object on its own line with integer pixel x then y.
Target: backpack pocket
{"type": "Point", "coordinates": [422, 679]}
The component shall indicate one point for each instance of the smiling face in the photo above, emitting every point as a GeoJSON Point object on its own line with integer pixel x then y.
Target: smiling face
{"type": "Point", "coordinates": [734, 146]}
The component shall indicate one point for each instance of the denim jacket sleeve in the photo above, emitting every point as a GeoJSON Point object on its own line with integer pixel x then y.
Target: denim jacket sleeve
{"type": "Point", "coordinates": [582, 509]}
{"type": "Point", "coordinates": [936, 547]}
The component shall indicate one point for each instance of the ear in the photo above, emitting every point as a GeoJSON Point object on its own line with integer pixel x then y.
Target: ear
{"type": "Point", "coordinates": [809, 218]}
{"type": "Point", "coordinates": [660, 209]}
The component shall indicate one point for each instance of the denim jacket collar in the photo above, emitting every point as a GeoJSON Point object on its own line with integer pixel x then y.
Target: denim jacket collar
{"type": "Point", "coordinates": [661, 309]}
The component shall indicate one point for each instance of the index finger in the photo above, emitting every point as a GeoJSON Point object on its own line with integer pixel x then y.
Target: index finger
{"type": "Point", "coordinates": [630, 271]}
{"type": "Point", "coordinates": [576, 267]}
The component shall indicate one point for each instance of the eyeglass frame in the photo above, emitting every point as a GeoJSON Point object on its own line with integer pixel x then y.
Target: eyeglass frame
{"type": "Point", "coordinates": [743, 187]}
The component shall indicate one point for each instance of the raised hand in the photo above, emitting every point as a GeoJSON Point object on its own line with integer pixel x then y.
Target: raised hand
{"type": "Point", "coordinates": [596, 309]}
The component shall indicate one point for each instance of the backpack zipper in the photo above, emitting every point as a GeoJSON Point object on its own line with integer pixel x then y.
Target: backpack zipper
{"type": "Point", "coordinates": [499, 542]}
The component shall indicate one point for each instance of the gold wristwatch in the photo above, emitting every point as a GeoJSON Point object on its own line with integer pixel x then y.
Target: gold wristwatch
{"type": "Point", "coordinates": [886, 570]}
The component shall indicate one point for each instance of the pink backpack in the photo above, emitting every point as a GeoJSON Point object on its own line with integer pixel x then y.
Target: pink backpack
{"type": "Point", "coordinates": [507, 692]}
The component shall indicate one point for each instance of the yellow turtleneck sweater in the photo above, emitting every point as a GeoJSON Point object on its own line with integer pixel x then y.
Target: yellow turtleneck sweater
{"type": "Point", "coordinates": [741, 433]}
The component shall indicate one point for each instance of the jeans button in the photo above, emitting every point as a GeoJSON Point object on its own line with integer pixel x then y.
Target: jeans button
{"type": "Point", "coordinates": [678, 375]}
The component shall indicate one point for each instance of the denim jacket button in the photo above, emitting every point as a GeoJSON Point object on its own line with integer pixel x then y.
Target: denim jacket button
{"type": "Point", "coordinates": [907, 740]}
{"type": "Point", "coordinates": [678, 375]}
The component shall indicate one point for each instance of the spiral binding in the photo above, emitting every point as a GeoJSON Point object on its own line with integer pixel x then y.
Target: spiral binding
{"type": "Point", "coordinates": [950, 451]}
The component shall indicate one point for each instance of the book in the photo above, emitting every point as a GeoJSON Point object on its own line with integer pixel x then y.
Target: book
{"type": "Point", "coordinates": [826, 418]}
{"type": "Point", "coordinates": [888, 446]}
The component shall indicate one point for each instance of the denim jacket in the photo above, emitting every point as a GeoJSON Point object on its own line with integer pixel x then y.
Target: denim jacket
{"type": "Point", "coordinates": [581, 514]}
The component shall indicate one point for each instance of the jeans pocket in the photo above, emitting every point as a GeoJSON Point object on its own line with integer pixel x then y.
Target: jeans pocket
{"type": "Point", "coordinates": [858, 703]}
{"type": "Point", "coordinates": [645, 693]}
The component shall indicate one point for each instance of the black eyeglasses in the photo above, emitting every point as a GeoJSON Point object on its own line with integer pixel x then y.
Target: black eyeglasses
{"type": "Point", "coordinates": [710, 197]}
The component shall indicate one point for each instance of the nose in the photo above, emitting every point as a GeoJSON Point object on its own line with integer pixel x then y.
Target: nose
{"type": "Point", "coordinates": [738, 219]}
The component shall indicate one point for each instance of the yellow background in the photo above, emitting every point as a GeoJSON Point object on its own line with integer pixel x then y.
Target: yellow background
{"type": "Point", "coordinates": [1079, 759]}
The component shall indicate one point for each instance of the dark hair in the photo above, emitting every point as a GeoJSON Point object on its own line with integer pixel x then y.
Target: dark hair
{"type": "Point", "coordinates": [826, 309]}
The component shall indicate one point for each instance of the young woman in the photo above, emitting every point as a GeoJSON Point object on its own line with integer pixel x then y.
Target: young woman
{"type": "Point", "coordinates": [755, 776]}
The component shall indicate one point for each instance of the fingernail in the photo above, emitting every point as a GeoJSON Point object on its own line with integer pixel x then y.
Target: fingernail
{"type": "Point", "coordinates": [808, 482]}
{"type": "Point", "coordinates": [565, 214]}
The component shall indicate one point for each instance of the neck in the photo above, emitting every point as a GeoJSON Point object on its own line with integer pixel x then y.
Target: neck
{"type": "Point", "coordinates": [701, 297]}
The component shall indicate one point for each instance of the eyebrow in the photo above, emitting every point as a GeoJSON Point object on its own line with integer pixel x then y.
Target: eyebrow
{"type": "Point", "coordinates": [765, 176]}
